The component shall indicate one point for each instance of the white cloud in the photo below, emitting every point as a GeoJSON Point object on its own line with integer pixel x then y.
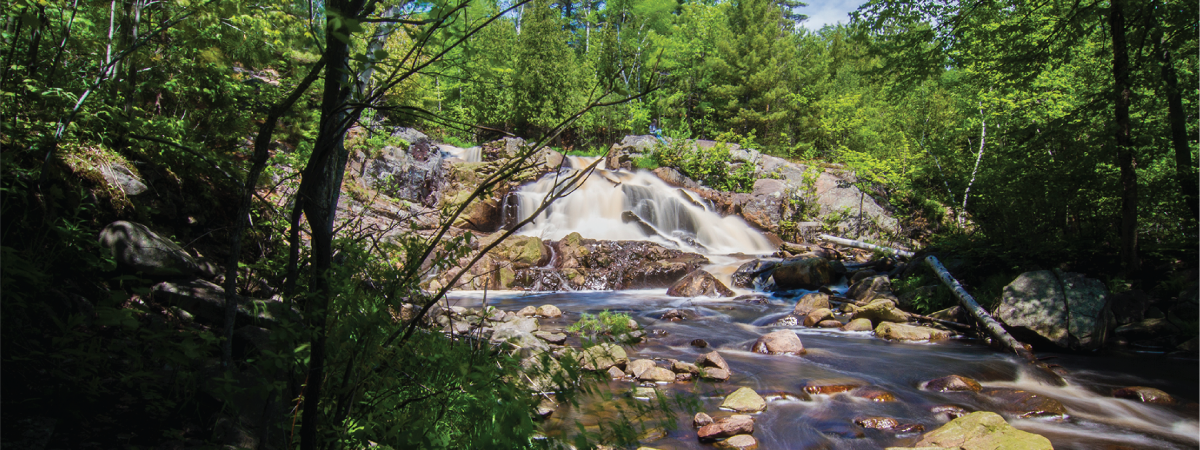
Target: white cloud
{"type": "Point", "coordinates": [828, 12]}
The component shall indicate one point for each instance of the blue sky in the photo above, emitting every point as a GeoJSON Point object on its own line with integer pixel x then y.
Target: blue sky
{"type": "Point", "coordinates": [828, 12]}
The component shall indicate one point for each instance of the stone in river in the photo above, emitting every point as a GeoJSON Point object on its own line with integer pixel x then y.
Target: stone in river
{"type": "Point", "coordinates": [682, 367]}
{"type": "Point", "coordinates": [616, 373]}
{"type": "Point", "coordinates": [712, 359]}
{"type": "Point", "coordinates": [1145, 395]}
{"type": "Point", "coordinates": [983, 430]}
{"type": "Point", "coordinates": [701, 419]}
{"type": "Point", "coordinates": [684, 377]}
{"type": "Point", "coordinates": [880, 312]}
{"type": "Point", "coordinates": [553, 338]}
{"type": "Point", "coordinates": [744, 400]}
{"type": "Point", "coordinates": [811, 302]}
{"type": "Point", "coordinates": [699, 343]}
{"type": "Point", "coordinates": [802, 272]}
{"type": "Point", "coordinates": [637, 366]}
{"type": "Point", "coordinates": [699, 283]}
{"type": "Point", "coordinates": [657, 374]}
{"type": "Point", "coordinates": [952, 383]}
{"type": "Point", "coordinates": [739, 442]}
{"type": "Point", "coordinates": [549, 311]}
{"type": "Point", "coordinates": [602, 356]}
{"type": "Point", "coordinates": [900, 332]}
{"type": "Point", "coordinates": [726, 427]}
{"type": "Point", "coordinates": [527, 311]}
{"type": "Point", "coordinates": [829, 323]}
{"type": "Point", "coordinates": [877, 423]}
{"type": "Point", "coordinates": [946, 413]}
{"type": "Point", "coordinates": [831, 386]}
{"type": "Point", "coordinates": [1024, 404]}
{"type": "Point", "coordinates": [874, 394]}
{"type": "Point", "coordinates": [816, 316]}
{"type": "Point", "coordinates": [858, 325]}
{"type": "Point", "coordinates": [782, 342]}
{"type": "Point", "coordinates": [674, 315]}
{"type": "Point", "coordinates": [714, 374]}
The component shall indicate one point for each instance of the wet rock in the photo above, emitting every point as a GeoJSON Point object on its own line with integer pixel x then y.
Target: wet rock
{"type": "Point", "coordinates": [1128, 307]}
{"type": "Point", "coordinates": [699, 283]}
{"type": "Point", "coordinates": [675, 315]}
{"type": "Point", "coordinates": [874, 394]}
{"type": "Point", "coordinates": [983, 430]}
{"type": "Point", "coordinates": [699, 343]}
{"type": "Point", "coordinates": [858, 325]}
{"type": "Point", "coordinates": [684, 377]}
{"type": "Point", "coordinates": [829, 387]}
{"type": "Point", "coordinates": [946, 413]}
{"type": "Point", "coordinates": [636, 367]}
{"type": "Point", "coordinates": [739, 442]}
{"type": "Point", "coordinates": [881, 312]}
{"type": "Point", "coordinates": [657, 374]}
{"type": "Point", "coordinates": [553, 338]}
{"type": "Point", "coordinates": [802, 272]}
{"type": "Point", "coordinates": [860, 275]}
{"type": "Point", "coordinates": [133, 245]}
{"type": "Point", "coordinates": [901, 332]}
{"type": "Point", "coordinates": [675, 178]}
{"type": "Point", "coordinates": [415, 173]}
{"type": "Point", "coordinates": [603, 356]}
{"type": "Point", "coordinates": [1066, 310]}
{"type": "Point", "coordinates": [952, 383]}
{"type": "Point", "coordinates": [787, 321]}
{"type": "Point", "coordinates": [877, 423]}
{"type": "Point", "coordinates": [527, 311]}
{"type": "Point", "coordinates": [1024, 404]}
{"type": "Point", "coordinates": [726, 427]}
{"type": "Point", "coordinates": [549, 311]}
{"type": "Point", "coordinates": [746, 273]}
{"type": "Point", "coordinates": [1146, 329]}
{"type": "Point", "coordinates": [829, 323]}
{"type": "Point", "coordinates": [645, 393]}
{"type": "Point", "coordinates": [816, 316]}
{"type": "Point", "coordinates": [782, 342]}
{"type": "Point", "coordinates": [701, 419]}
{"type": "Point", "coordinates": [744, 400]}
{"type": "Point", "coordinates": [546, 407]}
{"type": "Point", "coordinates": [611, 265]}
{"type": "Point", "coordinates": [752, 299]}
{"type": "Point", "coordinates": [712, 359]}
{"type": "Point", "coordinates": [615, 373]}
{"type": "Point", "coordinates": [1145, 395]}
{"type": "Point", "coordinates": [811, 302]}
{"type": "Point", "coordinates": [870, 288]}
{"type": "Point", "coordinates": [714, 374]}
{"type": "Point", "coordinates": [682, 367]}
{"type": "Point", "coordinates": [952, 314]}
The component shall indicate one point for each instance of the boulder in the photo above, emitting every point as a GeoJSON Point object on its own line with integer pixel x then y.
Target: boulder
{"type": "Point", "coordinates": [726, 427]}
{"type": "Point", "coordinates": [415, 173]}
{"type": "Point", "coordinates": [699, 283]}
{"type": "Point", "coordinates": [870, 288]}
{"type": "Point", "coordinates": [764, 211]}
{"type": "Point", "coordinates": [811, 302]}
{"type": "Point", "coordinates": [527, 311]}
{"type": "Point", "coordinates": [205, 301]}
{"type": "Point", "coordinates": [874, 394]}
{"type": "Point", "coordinates": [858, 325]}
{"type": "Point", "coordinates": [603, 356]}
{"type": "Point", "coordinates": [714, 374]}
{"type": "Point", "coordinates": [746, 273]}
{"type": "Point", "coordinates": [888, 424]}
{"type": "Point", "coordinates": [1145, 395]}
{"type": "Point", "coordinates": [802, 272]}
{"type": "Point", "coordinates": [657, 374]}
{"type": "Point", "coordinates": [739, 442]}
{"type": "Point", "coordinates": [983, 430]}
{"type": "Point", "coordinates": [744, 400]}
{"type": "Point", "coordinates": [636, 367]}
{"type": "Point", "coordinates": [1024, 404]}
{"type": "Point", "coordinates": [952, 383]}
{"type": "Point", "coordinates": [900, 332]}
{"type": "Point", "coordinates": [133, 245]}
{"type": "Point", "coordinates": [549, 311]}
{"type": "Point", "coordinates": [829, 323]}
{"type": "Point", "coordinates": [946, 413]}
{"type": "Point", "coordinates": [519, 339]}
{"type": "Point", "coordinates": [622, 154]}
{"type": "Point", "coordinates": [615, 373]}
{"type": "Point", "coordinates": [1147, 329]}
{"type": "Point", "coordinates": [782, 342]}
{"type": "Point", "coordinates": [522, 251]}
{"type": "Point", "coordinates": [552, 338]}
{"type": "Point", "coordinates": [674, 178]}
{"type": "Point", "coordinates": [1063, 309]}
{"type": "Point", "coordinates": [524, 325]}
{"type": "Point", "coordinates": [120, 176]}
{"type": "Point", "coordinates": [880, 312]}
{"type": "Point", "coordinates": [676, 315]}
{"type": "Point", "coordinates": [701, 419]}
{"type": "Point", "coordinates": [831, 386]}
{"type": "Point", "coordinates": [816, 316]}
{"type": "Point", "coordinates": [682, 367]}
{"type": "Point", "coordinates": [712, 359]}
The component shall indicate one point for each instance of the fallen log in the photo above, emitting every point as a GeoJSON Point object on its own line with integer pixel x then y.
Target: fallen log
{"type": "Point", "coordinates": [947, 323]}
{"type": "Point", "coordinates": [990, 325]}
{"type": "Point", "coordinates": [865, 246]}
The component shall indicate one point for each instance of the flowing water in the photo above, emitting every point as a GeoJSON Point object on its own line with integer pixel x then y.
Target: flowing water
{"type": "Point", "coordinates": [793, 419]}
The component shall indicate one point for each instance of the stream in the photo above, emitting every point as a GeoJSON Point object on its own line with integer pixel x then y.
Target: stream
{"type": "Point", "coordinates": [794, 418]}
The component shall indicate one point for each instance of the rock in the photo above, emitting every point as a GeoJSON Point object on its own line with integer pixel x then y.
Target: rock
{"type": "Point", "coordinates": [782, 342]}
{"type": "Point", "coordinates": [636, 367]}
{"type": "Point", "coordinates": [1024, 404]}
{"type": "Point", "coordinates": [519, 339]}
{"type": "Point", "coordinates": [684, 377]}
{"type": "Point", "coordinates": [726, 427]}
{"type": "Point", "coordinates": [657, 374]}
{"type": "Point", "coordinates": [753, 299]}
{"type": "Point", "coordinates": [829, 323]}
{"type": "Point", "coordinates": [802, 272]}
{"type": "Point", "coordinates": [874, 394]}
{"type": "Point", "coordinates": [880, 312]}
{"type": "Point", "coordinates": [946, 413]}
{"type": "Point", "coordinates": [712, 359]}
{"type": "Point", "coordinates": [952, 383]}
{"type": "Point", "coordinates": [675, 315]}
{"type": "Point", "coordinates": [858, 325]}
{"type": "Point", "coordinates": [615, 373]}
{"type": "Point", "coordinates": [829, 387]}
{"type": "Point", "coordinates": [746, 273]}
{"type": "Point", "coordinates": [952, 314]}
{"type": "Point", "coordinates": [701, 419]}
{"type": "Point", "coordinates": [699, 343]}
{"type": "Point", "coordinates": [553, 338]}
{"type": "Point", "coordinates": [117, 174]}
{"type": "Point", "coordinates": [522, 251]}
{"type": "Point", "coordinates": [817, 315]}
{"type": "Point", "coordinates": [861, 274]}
{"type": "Point", "coordinates": [609, 265]}
{"type": "Point", "coordinates": [645, 393]}
{"type": "Point", "coordinates": [811, 302]}
{"type": "Point", "coordinates": [739, 442]}
{"type": "Point", "coordinates": [1128, 307]}
{"type": "Point", "coordinates": [549, 311]}
{"type": "Point", "coordinates": [525, 324]}
{"type": "Point", "coordinates": [900, 332]}
{"type": "Point", "coordinates": [744, 400]}
{"type": "Point", "coordinates": [714, 374]}
{"type": "Point", "coordinates": [1146, 329]}
{"type": "Point", "coordinates": [877, 423]}
{"type": "Point", "coordinates": [699, 283]}
{"type": "Point", "coordinates": [1191, 345]}
{"type": "Point", "coordinates": [983, 430]}
{"type": "Point", "coordinates": [787, 321]}
{"type": "Point", "coordinates": [1062, 309]}
{"type": "Point", "coordinates": [546, 407]}
{"type": "Point", "coordinates": [603, 356]}
{"type": "Point", "coordinates": [682, 367]}
{"type": "Point", "coordinates": [205, 301]}
{"type": "Point", "coordinates": [415, 173]}
{"type": "Point", "coordinates": [870, 288]}
{"type": "Point", "coordinates": [622, 154]}
{"type": "Point", "coordinates": [1145, 395]}
{"type": "Point", "coordinates": [674, 178]}
{"type": "Point", "coordinates": [527, 311]}
{"type": "Point", "coordinates": [133, 245]}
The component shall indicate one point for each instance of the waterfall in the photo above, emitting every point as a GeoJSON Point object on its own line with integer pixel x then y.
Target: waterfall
{"type": "Point", "coordinates": [619, 205]}
{"type": "Point", "coordinates": [473, 154]}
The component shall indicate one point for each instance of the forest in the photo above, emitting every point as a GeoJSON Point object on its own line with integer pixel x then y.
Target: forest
{"type": "Point", "coordinates": [1014, 135]}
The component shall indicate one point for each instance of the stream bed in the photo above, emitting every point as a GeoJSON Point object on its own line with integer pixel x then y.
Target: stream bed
{"type": "Point", "coordinates": [795, 419]}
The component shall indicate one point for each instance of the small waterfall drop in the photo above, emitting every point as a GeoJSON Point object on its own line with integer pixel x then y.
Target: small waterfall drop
{"type": "Point", "coordinates": [619, 205]}
{"type": "Point", "coordinates": [473, 154]}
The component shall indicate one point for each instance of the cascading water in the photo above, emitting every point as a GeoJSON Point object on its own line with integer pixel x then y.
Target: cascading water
{"type": "Point", "coordinates": [619, 205]}
{"type": "Point", "coordinates": [473, 154]}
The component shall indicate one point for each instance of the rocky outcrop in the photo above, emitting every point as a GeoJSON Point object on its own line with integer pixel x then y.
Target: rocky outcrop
{"type": "Point", "coordinates": [983, 430]}
{"type": "Point", "coordinates": [622, 154]}
{"type": "Point", "coordinates": [1062, 309]}
{"type": "Point", "coordinates": [747, 273]}
{"type": "Point", "coordinates": [415, 173]}
{"type": "Point", "coordinates": [699, 283]}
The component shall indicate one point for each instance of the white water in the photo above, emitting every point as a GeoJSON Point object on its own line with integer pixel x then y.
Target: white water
{"type": "Point", "coordinates": [596, 211]}
{"type": "Point", "coordinates": [473, 154]}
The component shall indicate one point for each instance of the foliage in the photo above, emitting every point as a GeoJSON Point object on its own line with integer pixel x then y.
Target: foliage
{"type": "Point", "coordinates": [605, 325]}
{"type": "Point", "coordinates": [709, 165]}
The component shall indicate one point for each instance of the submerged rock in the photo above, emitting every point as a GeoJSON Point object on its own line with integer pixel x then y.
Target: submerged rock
{"type": "Point", "coordinates": [952, 383]}
{"type": "Point", "coordinates": [1145, 395]}
{"type": "Point", "coordinates": [782, 342]}
{"type": "Point", "coordinates": [1024, 404]}
{"type": "Point", "coordinates": [739, 442]}
{"type": "Point", "coordinates": [699, 283]}
{"type": "Point", "coordinates": [744, 400]}
{"type": "Point", "coordinates": [746, 274]}
{"type": "Point", "coordinates": [983, 430]}
{"type": "Point", "coordinates": [726, 427]}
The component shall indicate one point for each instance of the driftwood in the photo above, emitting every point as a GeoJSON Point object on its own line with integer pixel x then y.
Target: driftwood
{"type": "Point", "coordinates": [990, 325]}
{"type": "Point", "coordinates": [948, 323]}
{"type": "Point", "coordinates": [865, 246]}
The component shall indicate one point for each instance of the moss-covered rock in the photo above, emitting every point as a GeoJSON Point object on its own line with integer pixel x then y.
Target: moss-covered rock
{"type": "Point", "coordinates": [983, 430]}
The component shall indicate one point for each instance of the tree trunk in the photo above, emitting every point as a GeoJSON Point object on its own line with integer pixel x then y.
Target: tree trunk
{"type": "Point", "coordinates": [864, 245]}
{"type": "Point", "coordinates": [962, 219]}
{"type": "Point", "coordinates": [1125, 156]}
{"type": "Point", "coordinates": [990, 325]}
{"type": "Point", "coordinates": [1184, 171]}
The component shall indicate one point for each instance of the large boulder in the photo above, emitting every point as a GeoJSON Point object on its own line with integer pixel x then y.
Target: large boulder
{"type": "Point", "coordinates": [811, 302]}
{"type": "Point", "coordinates": [880, 312]}
{"type": "Point", "coordinates": [726, 427]}
{"type": "Point", "coordinates": [746, 273]}
{"type": "Point", "coordinates": [870, 288]}
{"type": "Point", "coordinates": [802, 272]}
{"type": "Point", "coordinates": [591, 264]}
{"type": "Point", "coordinates": [744, 400]}
{"type": "Point", "coordinates": [782, 342]}
{"type": "Point", "coordinates": [415, 173]}
{"type": "Point", "coordinates": [603, 356]}
{"type": "Point", "coordinates": [983, 430]}
{"type": "Point", "coordinates": [522, 251]}
{"type": "Point", "coordinates": [699, 283]}
{"type": "Point", "coordinates": [133, 245]}
{"type": "Point", "coordinates": [1062, 309]}
{"type": "Point", "coordinates": [622, 154]}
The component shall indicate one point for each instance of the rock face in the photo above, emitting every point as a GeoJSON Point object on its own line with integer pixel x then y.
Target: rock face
{"type": "Point", "coordinates": [900, 332]}
{"type": "Point", "coordinates": [1062, 309]}
{"type": "Point", "coordinates": [782, 342]}
{"type": "Point", "coordinates": [802, 272]}
{"type": "Point", "coordinates": [415, 174]}
{"type": "Point", "coordinates": [699, 283]}
{"type": "Point", "coordinates": [983, 430]}
{"type": "Point", "coordinates": [136, 247]}
{"type": "Point", "coordinates": [744, 400]}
